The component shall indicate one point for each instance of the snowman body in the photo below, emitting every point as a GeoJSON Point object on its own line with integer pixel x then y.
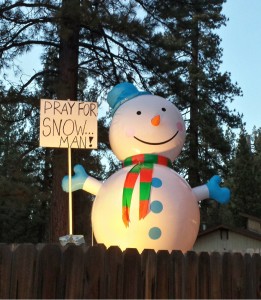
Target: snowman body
{"type": "Point", "coordinates": [173, 218]}
{"type": "Point", "coordinates": [146, 204]}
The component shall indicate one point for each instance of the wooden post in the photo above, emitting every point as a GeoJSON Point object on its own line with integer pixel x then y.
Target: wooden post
{"type": "Point", "coordinates": [70, 191]}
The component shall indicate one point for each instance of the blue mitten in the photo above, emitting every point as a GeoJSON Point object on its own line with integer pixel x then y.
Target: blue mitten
{"type": "Point", "coordinates": [220, 194]}
{"type": "Point", "coordinates": [78, 179]}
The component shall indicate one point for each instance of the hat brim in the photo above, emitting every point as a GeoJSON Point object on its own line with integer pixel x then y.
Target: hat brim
{"type": "Point", "coordinates": [134, 95]}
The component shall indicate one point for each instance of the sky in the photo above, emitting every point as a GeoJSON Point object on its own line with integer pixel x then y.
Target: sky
{"type": "Point", "coordinates": [241, 43]}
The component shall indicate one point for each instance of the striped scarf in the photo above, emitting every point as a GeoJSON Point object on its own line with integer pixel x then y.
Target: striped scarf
{"type": "Point", "coordinates": [143, 166]}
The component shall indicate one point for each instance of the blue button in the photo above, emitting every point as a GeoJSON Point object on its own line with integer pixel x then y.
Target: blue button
{"type": "Point", "coordinates": [155, 233]}
{"type": "Point", "coordinates": [156, 206]}
{"type": "Point", "coordinates": [156, 182]}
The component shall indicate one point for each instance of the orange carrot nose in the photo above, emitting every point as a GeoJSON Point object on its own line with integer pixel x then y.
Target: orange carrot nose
{"type": "Point", "coordinates": [155, 120]}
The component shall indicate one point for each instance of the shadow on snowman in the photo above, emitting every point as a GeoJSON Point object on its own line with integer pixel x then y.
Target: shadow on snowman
{"type": "Point", "coordinates": [146, 204]}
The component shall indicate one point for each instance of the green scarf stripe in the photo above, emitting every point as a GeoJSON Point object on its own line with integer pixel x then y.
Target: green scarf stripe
{"type": "Point", "coordinates": [145, 190]}
{"type": "Point", "coordinates": [128, 161]}
{"type": "Point", "coordinates": [126, 198]}
{"type": "Point", "coordinates": [151, 158]}
{"type": "Point", "coordinates": [147, 165]}
{"type": "Point", "coordinates": [135, 169]}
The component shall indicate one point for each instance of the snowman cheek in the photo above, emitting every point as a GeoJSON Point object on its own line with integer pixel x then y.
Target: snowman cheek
{"type": "Point", "coordinates": [129, 132]}
{"type": "Point", "coordinates": [180, 126]}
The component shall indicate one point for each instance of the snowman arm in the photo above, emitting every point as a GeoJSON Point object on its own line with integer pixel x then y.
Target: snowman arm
{"type": "Point", "coordinates": [201, 192]}
{"type": "Point", "coordinates": [92, 185]}
{"type": "Point", "coordinates": [81, 181]}
{"type": "Point", "coordinates": [212, 190]}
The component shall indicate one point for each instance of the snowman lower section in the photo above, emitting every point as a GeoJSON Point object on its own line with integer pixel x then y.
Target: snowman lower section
{"type": "Point", "coordinates": [171, 224]}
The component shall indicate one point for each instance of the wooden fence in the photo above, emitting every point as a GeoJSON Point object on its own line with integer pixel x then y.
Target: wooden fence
{"type": "Point", "coordinates": [81, 272]}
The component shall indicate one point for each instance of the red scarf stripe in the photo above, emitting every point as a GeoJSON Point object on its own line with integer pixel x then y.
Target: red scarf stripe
{"type": "Point", "coordinates": [146, 175]}
{"type": "Point", "coordinates": [163, 160]}
{"type": "Point", "coordinates": [144, 209]}
{"type": "Point", "coordinates": [130, 180]}
{"type": "Point", "coordinates": [136, 159]}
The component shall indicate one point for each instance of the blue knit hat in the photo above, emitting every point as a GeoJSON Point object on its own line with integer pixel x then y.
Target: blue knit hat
{"type": "Point", "coordinates": [121, 93]}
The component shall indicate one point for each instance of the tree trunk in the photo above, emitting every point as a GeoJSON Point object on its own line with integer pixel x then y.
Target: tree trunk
{"type": "Point", "coordinates": [194, 168]}
{"type": "Point", "coordinates": [66, 89]}
{"type": "Point", "coordinates": [193, 172]}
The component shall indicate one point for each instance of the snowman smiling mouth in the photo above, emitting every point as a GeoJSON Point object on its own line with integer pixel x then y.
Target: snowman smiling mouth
{"type": "Point", "coordinates": [160, 143]}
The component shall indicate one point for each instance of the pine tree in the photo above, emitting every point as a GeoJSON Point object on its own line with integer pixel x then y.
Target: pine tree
{"type": "Point", "coordinates": [244, 186]}
{"type": "Point", "coordinates": [21, 193]}
{"type": "Point", "coordinates": [189, 51]}
{"type": "Point", "coordinates": [256, 210]}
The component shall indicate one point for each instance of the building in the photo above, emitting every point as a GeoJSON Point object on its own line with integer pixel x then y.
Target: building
{"type": "Point", "coordinates": [224, 238]}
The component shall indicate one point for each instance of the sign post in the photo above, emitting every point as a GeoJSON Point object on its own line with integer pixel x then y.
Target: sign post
{"type": "Point", "coordinates": [68, 124]}
{"type": "Point", "coordinates": [70, 190]}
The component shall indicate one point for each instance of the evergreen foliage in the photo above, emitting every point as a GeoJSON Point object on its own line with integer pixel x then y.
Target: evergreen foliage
{"type": "Point", "coordinates": [245, 177]}
{"type": "Point", "coordinates": [24, 195]}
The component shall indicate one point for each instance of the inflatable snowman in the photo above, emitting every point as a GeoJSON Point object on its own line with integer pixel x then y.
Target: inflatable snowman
{"type": "Point", "coordinates": [146, 204]}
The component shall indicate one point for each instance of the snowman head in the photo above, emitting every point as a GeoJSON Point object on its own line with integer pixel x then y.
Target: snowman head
{"type": "Point", "coordinates": [143, 123]}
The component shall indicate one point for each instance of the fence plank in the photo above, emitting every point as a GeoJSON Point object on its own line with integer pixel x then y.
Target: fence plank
{"type": "Point", "coordinates": [5, 270]}
{"type": "Point", "coordinates": [203, 275]}
{"type": "Point", "coordinates": [23, 272]}
{"type": "Point", "coordinates": [238, 288]}
{"type": "Point", "coordinates": [163, 275]}
{"type": "Point", "coordinates": [249, 278]}
{"type": "Point", "coordinates": [94, 266]}
{"type": "Point", "coordinates": [178, 267]}
{"type": "Point", "coordinates": [72, 272]}
{"type": "Point", "coordinates": [215, 290]}
{"type": "Point", "coordinates": [48, 272]}
{"type": "Point", "coordinates": [113, 261]}
{"type": "Point", "coordinates": [227, 275]}
{"type": "Point", "coordinates": [257, 271]}
{"type": "Point", "coordinates": [191, 275]}
{"type": "Point", "coordinates": [148, 265]}
{"type": "Point", "coordinates": [131, 274]}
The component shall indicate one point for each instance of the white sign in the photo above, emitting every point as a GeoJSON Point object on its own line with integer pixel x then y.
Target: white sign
{"type": "Point", "coordinates": [68, 124]}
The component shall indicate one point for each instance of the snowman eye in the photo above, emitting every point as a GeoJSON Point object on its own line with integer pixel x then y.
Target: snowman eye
{"type": "Point", "coordinates": [163, 109]}
{"type": "Point", "coordinates": [138, 112]}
